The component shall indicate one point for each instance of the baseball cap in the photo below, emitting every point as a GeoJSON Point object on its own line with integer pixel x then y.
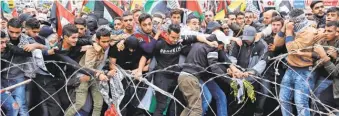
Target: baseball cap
{"type": "Point", "coordinates": [249, 33]}
{"type": "Point", "coordinates": [45, 31]}
{"type": "Point", "coordinates": [211, 26]}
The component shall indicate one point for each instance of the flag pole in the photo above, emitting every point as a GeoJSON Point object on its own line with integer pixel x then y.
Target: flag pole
{"type": "Point", "coordinates": [14, 86]}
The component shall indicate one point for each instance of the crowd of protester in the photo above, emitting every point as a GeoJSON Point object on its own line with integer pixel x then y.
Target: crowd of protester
{"type": "Point", "coordinates": [291, 58]}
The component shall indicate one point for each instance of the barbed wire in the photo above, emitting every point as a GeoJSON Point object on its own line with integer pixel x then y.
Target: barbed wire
{"type": "Point", "coordinates": [273, 95]}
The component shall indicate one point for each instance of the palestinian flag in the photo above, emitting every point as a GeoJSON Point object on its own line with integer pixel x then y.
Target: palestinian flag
{"type": "Point", "coordinates": [15, 13]}
{"type": "Point", "coordinates": [221, 10]}
{"type": "Point", "coordinates": [103, 9]}
{"type": "Point", "coordinates": [60, 16]}
{"type": "Point", "coordinates": [153, 6]}
{"type": "Point", "coordinates": [5, 7]}
{"type": "Point", "coordinates": [194, 6]}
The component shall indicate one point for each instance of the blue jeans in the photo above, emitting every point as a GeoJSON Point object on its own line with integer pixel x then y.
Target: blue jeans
{"type": "Point", "coordinates": [217, 93]}
{"type": "Point", "coordinates": [321, 84]}
{"type": "Point", "coordinates": [17, 95]}
{"type": "Point", "coordinates": [7, 102]}
{"type": "Point", "coordinates": [206, 97]}
{"type": "Point", "coordinates": [82, 113]}
{"type": "Point", "coordinates": [302, 81]}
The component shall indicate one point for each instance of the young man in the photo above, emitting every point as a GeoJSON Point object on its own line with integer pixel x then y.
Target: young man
{"type": "Point", "coordinates": [80, 23]}
{"type": "Point", "coordinates": [93, 59]}
{"type": "Point", "coordinates": [128, 23]}
{"type": "Point", "coordinates": [175, 16]}
{"type": "Point", "coordinates": [157, 20]}
{"type": "Point", "coordinates": [273, 51]}
{"type": "Point", "coordinates": [250, 56]}
{"type": "Point", "coordinates": [201, 56]}
{"type": "Point", "coordinates": [332, 14]}
{"type": "Point", "coordinates": [4, 23]}
{"type": "Point", "coordinates": [44, 79]}
{"type": "Point", "coordinates": [127, 59]}
{"type": "Point", "coordinates": [167, 52]}
{"type": "Point", "coordinates": [209, 16]}
{"type": "Point", "coordinates": [68, 43]}
{"type": "Point", "coordinates": [9, 102]}
{"type": "Point", "coordinates": [330, 95]}
{"type": "Point", "coordinates": [322, 82]}
{"type": "Point", "coordinates": [299, 35]}
{"type": "Point", "coordinates": [136, 14]}
{"type": "Point", "coordinates": [239, 25]}
{"type": "Point", "coordinates": [32, 27]}
{"type": "Point", "coordinates": [127, 27]}
{"type": "Point", "coordinates": [83, 34]}
{"type": "Point", "coordinates": [146, 44]}
{"type": "Point", "coordinates": [318, 11]}
{"type": "Point", "coordinates": [14, 30]}
{"type": "Point", "coordinates": [118, 23]}
{"type": "Point", "coordinates": [249, 20]}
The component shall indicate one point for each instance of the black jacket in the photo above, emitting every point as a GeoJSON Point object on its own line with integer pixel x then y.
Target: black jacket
{"type": "Point", "coordinates": [203, 58]}
{"type": "Point", "coordinates": [251, 57]}
{"type": "Point", "coordinates": [9, 51]}
{"type": "Point", "coordinates": [65, 58]}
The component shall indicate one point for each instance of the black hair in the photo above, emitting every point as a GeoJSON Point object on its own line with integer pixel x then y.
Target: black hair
{"type": "Point", "coordinates": [3, 34]}
{"type": "Point", "coordinates": [143, 17]}
{"type": "Point", "coordinates": [135, 11]}
{"type": "Point", "coordinates": [15, 22]}
{"type": "Point", "coordinates": [174, 28]}
{"type": "Point", "coordinates": [278, 18]}
{"type": "Point", "coordinates": [32, 23]}
{"type": "Point", "coordinates": [190, 17]}
{"type": "Point", "coordinates": [331, 23]}
{"type": "Point", "coordinates": [3, 18]}
{"type": "Point", "coordinates": [175, 11]}
{"type": "Point", "coordinates": [69, 29]}
{"type": "Point", "coordinates": [333, 9]}
{"type": "Point", "coordinates": [248, 11]}
{"type": "Point", "coordinates": [80, 21]}
{"type": "Point", "coordinates": [158, 15]}
{"type": "Point", "coordinates": [102, 32]}
{"type": "Point", "coordinates": [240, 13]}
{"type": "Point", "coordinates": [127, 13]}
{"type": "Point", "coordinates": [230, 13]}
{"type": "Point", "coordinates": [337, 23]}
{"type": "Point", "coordinates": [314, 2]}
{"type": "Point", "coordinates": [296, 12]}
{"type": "Point", "coordinates": [118, 18]}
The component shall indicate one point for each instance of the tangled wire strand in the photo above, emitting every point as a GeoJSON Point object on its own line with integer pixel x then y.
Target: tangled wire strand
{"type": "Point", "coordinates": [276, 62]}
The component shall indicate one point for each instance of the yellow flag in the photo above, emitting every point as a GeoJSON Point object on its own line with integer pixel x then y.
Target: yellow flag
{"type": "Point", "coordinates": [136, 4]}
{"type": "Point", "coordinates": [220, 15]}
{"type": "Point", "coordinates": [236, 3]}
